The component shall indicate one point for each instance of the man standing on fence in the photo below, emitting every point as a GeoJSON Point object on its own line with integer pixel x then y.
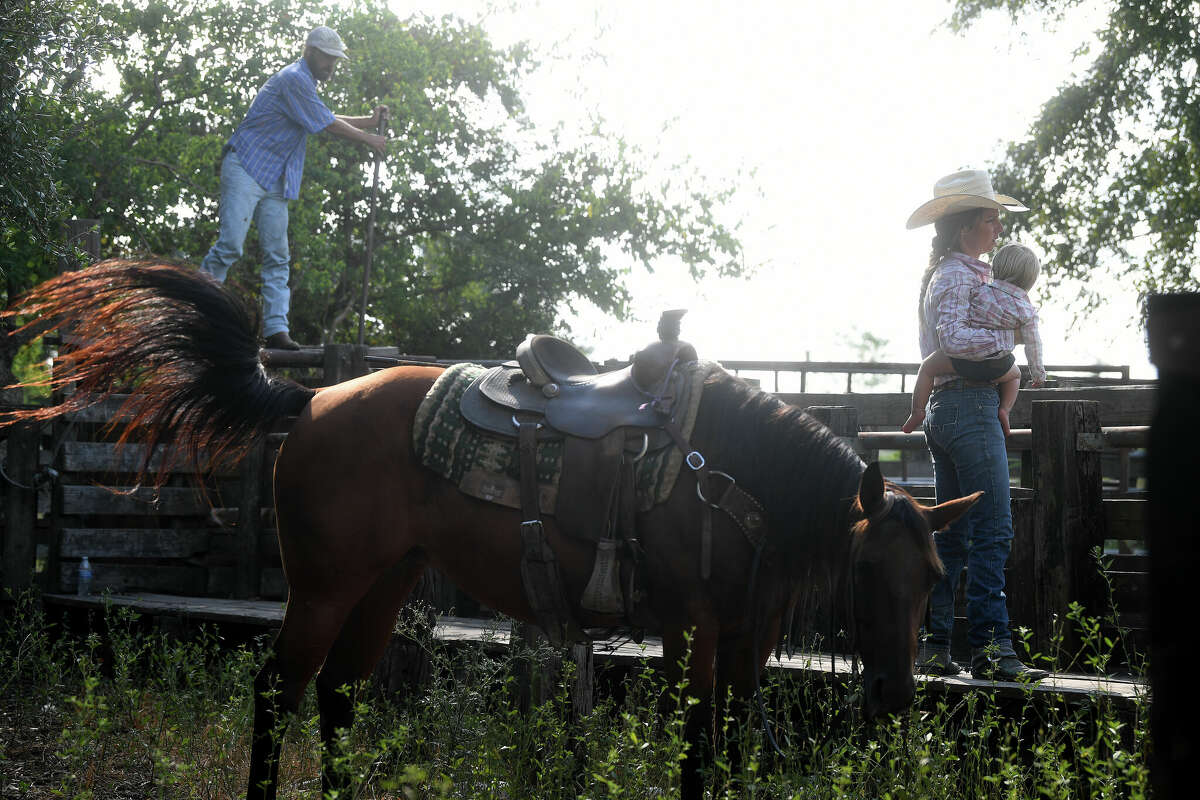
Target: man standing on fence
{"type": "Point", "coordinates": [262, 165]}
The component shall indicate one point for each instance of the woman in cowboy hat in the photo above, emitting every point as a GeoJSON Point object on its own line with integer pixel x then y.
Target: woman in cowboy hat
{"type": "Point", "coordinates": [963, 429]}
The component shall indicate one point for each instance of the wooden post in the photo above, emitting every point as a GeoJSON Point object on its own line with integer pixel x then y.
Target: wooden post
{"type": "Point", "coordinates": [1174, 333]}
{"type": "Point", "coordinates": [1069, 517]}
{"type": "Point", "coordinates": [344, 361]}
{"type": "Point", "coordinates": [20, 534]}
{"type": "Point", "coordinates": [1026, 458]}
{"type": "Point", "coordinates": [534, 679]}
{"type": "Point", "coordinates": [536, 676]}
{"type": "Point", "coordinates": [406, 665]}
{"type": "Point", "coordinates": [248, 569]}
{"type": "Point", "coordinates": [581, 688]}
{"type": "Point", "coordinates": [1020, 576]}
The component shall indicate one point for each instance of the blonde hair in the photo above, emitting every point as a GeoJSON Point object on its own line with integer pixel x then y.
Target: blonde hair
{"type": "Point", "coordinates": [1016, 264]}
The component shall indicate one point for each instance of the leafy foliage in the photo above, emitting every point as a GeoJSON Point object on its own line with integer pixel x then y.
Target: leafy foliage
{"type": "Point", "coordinates": [485, 227]}
{"type": "Point", "coordinates": [1112, 164]}
{"type": "Point", "coordinates": [46, 47]}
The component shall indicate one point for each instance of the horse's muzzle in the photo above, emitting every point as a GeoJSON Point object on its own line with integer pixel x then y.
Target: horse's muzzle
{"type": "Point", "coordinates": [884, 693]}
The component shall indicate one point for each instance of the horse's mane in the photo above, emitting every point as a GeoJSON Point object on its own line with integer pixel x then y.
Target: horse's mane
{"type": "Point", "coordinates": [805, 476]}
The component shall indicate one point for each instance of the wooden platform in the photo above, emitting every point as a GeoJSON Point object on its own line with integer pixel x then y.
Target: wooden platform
{"type": "Point", "coordinates": [269, 614]}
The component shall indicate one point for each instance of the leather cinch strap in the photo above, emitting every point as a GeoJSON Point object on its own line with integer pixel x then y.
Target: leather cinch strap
{"type": "Point", "coordinates": [539, 567]}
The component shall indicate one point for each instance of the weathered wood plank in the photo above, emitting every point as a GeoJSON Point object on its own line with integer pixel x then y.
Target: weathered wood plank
{"type": "Point", "coordinates": [109, 458]}
{"type": "Point", "coordinates": [134, 542]}
{"type": "Point", "coordinates": [495, 634]}
{"type": "Point", "coordinates": [1126, 519]}
{"type": "Point", "coordinates": [187, 579]}
{"type": "Point", "coordinates": [1123, 562]}
{"type": "Point", "coordinates": [168, 501]}
{"type": "Point", "coordinates": [271, 583]}
{"type": "Point", "coordinates": [1131, 590]}
{"type": "Point", "coordinates": [1119, 405]}
{"type": "Point", "coordinates": [223, 544]}
{"type": "Point", "coordinates": [103, 411]}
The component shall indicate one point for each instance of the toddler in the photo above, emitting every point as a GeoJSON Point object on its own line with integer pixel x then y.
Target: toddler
{"type": "Point", "coordinates": [1002, 304]}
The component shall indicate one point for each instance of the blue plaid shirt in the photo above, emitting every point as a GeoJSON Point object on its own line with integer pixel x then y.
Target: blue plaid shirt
{"type": "Point", "coordinates": [271, 139]}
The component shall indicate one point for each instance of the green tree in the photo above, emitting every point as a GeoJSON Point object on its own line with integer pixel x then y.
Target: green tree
{"type": "Point", "coordinates": [46, 50]}
{"type": "Point", "coordinates": [1111, 167]}
{"type": "Point", "coordinates": [485, 226]}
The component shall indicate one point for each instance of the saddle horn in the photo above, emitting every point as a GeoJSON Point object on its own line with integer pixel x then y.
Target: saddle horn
{"type": "Point", "coordinates": [652, 364]}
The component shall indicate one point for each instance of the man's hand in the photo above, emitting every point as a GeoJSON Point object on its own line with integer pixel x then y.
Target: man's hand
{"type": "Point", "coordinates": [354, 129]}
{"type": "Point", "coordinates": [376, 142]}
{"type": "Point", "coordinates": [380, 116]}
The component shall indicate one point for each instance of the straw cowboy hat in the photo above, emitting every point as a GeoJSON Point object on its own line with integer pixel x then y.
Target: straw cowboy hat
{"type": "Point", "coordinates": [971, 188]}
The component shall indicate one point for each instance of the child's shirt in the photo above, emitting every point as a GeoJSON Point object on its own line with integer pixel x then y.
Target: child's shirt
{"type": "Point", "coordinates": [946, 307]}
{"type": "Point", "coordinates": [1001, 305]}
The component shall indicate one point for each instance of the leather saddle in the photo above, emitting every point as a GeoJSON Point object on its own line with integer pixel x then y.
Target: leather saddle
{"type": "Point", "coordinates": [556, 384]}
{"type": "Point", "coordinates": [606, 421]}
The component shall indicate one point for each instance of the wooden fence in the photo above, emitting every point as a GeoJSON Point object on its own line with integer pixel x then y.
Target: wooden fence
{"type": "Point", "coordinates": [218, 539]}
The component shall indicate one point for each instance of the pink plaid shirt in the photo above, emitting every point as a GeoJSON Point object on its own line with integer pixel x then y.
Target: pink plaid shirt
{"type": "Point", "coordinates": [947, 323]}
{"type": "Point", "coordinates": [1001, 305]}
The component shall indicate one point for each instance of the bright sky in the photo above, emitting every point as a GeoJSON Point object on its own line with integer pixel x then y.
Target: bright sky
{"type": "Point", "coordinates": [835, 118]}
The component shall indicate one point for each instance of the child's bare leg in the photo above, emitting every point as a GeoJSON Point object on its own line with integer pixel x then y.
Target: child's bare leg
{"type": "Point", "coordinates": [1008, 385]}
{"type": "Point", "coordinates": [937, 363]}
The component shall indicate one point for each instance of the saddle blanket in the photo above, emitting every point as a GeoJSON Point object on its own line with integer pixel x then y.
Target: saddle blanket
{"type": "Point", "coordinates": [487, 466]}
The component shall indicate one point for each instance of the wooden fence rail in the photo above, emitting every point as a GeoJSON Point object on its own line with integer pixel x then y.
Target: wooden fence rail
{"type": "Point", "coordinates": [218, 540]}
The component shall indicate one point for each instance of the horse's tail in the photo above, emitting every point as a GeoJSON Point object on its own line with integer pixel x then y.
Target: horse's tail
{"type": "Point", "coordinates": [182, 344]}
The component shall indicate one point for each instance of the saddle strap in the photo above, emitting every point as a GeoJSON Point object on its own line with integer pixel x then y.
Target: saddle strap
{"type": "Point", "coordinates": [539, 567]}
{"type": "Point", "coordinates": [741, 506]}
{"type": "Point", "coordinates": [744, 509]}
{"type": "Point", "coordinates": [694, 461]}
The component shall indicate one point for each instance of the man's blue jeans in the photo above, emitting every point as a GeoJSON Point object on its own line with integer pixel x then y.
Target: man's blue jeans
{"type": "Point", "coordinates": [967, 445]}
{"type": "Point", "coordinates": [243, 200]}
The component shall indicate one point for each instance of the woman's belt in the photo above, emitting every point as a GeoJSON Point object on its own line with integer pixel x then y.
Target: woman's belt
{"type": "Point", "coordinates": [963, 383]}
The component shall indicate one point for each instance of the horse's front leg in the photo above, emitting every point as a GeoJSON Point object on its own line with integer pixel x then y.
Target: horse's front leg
{"type": "Point", "coordinates": [740, 661]}
{"type": "Point", "coordinates": [698, 660]}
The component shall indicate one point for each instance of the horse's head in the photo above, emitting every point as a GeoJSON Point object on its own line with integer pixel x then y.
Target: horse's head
{"type": "Point", "coordinates": [894, 566]}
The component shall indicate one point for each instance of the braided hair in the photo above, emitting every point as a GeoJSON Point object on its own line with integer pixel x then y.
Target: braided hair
{"type": "Point", "coordinates": [947, 238]}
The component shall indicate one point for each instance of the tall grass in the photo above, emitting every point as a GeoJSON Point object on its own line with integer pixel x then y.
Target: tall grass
{"type": "Point", "coordinates": [142, 714]}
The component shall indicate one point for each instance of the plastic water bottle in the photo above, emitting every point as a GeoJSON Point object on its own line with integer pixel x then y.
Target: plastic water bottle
{"type": "Point", "coordinates": [84, 585]}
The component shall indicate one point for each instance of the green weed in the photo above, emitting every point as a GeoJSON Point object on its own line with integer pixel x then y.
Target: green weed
{"type": "Point", "coordinates": [139, 713]}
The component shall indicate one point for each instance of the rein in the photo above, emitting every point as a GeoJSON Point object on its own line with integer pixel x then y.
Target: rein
{"type": "Point", "coordinates": [874, 518]}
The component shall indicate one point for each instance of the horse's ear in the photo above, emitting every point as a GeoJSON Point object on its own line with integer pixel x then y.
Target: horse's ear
{"type": "Point", "coordinates": [943, 514]}
{"type": "Point", "coordinates": [870, 489]}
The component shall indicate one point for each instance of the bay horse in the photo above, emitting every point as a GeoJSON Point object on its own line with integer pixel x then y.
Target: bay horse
{"type": "Point", "coordinates": [359, 518]}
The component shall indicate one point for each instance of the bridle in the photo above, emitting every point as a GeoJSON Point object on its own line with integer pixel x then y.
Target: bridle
{"type": "Point", "coordinates": [885, 509]}
{"type": "Point", "coordinates": [878, 515]}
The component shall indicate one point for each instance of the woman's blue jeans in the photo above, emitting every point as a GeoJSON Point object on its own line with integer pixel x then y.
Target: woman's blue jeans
{"type": "Point", "coordinates": [967, 445]}
{"type": "Point", "coordinates": [243, 200]}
